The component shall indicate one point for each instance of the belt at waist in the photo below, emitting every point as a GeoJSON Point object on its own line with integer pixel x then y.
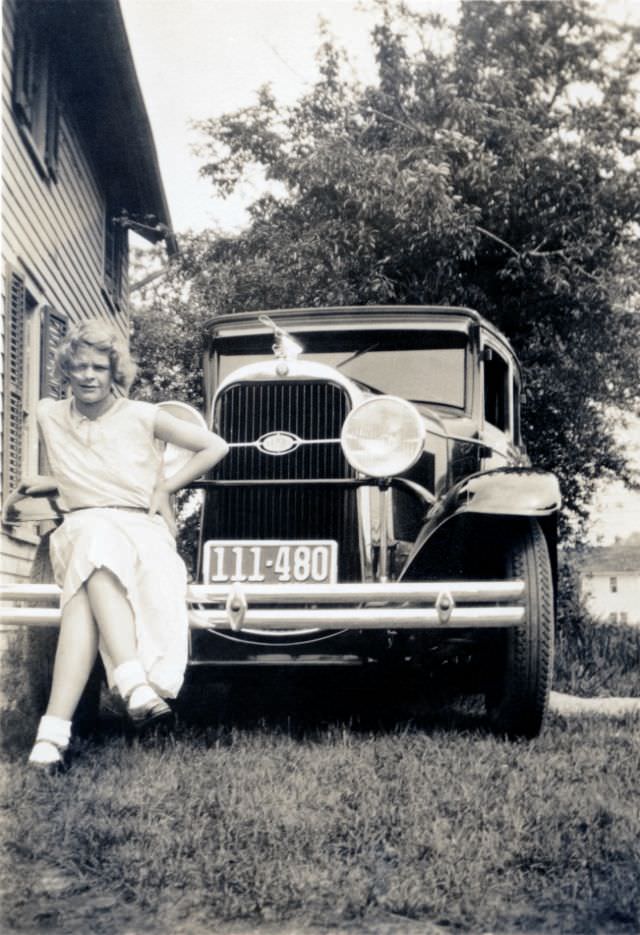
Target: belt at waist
{"type": "Point", "coordinates": [111, 506]}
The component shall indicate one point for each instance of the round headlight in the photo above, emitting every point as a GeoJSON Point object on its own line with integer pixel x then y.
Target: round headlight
{"type": "Point", "coordinates": [383, 436]}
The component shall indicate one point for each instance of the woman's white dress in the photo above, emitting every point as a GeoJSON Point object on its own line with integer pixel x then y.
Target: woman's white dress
{"type": "Point", "coordinates": [102, 466]}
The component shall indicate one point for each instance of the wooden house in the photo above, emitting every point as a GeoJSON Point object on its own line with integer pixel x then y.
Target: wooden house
{"type": "Point", "coordinates": [79, 170]}
{"type": "Point", "coordinates": [610, 581]}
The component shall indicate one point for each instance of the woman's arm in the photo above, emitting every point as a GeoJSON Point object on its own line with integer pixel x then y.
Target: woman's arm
{"type": "Point", "coordinates": [40, 484]}
{"type": "Point", "coordinates": [36, 484]}
{"type": "Point", "coordinates": [208, 449]}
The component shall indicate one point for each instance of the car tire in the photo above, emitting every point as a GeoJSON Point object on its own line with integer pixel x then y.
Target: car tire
{"type": "Point", "coordinates": [38, 658]}
{"type": "Point", "coordinates": [518, 698]}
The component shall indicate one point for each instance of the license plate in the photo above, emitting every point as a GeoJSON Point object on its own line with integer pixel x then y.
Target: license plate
{"type": "Point", "coordinates": [271, 561]}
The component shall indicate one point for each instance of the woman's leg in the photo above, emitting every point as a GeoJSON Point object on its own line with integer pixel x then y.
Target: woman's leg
{"type": "Point", "coordinates": [75, 655]}
{"type": "Point", "coordinates": [103, 602]}
{"type": "Point", "coordinates": [113, 615]}
{"type": "Point", "coordinates": [100, 607]}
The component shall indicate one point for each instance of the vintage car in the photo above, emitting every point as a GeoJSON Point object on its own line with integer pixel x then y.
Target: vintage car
{"type": "Point", "coordinates": [377, 505]}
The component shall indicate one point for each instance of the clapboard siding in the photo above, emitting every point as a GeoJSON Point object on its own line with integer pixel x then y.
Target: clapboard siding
{"type": "Point", "coordinates": [53, 266]}
{"type": "Point", "coordinates": [66, 216]}
{"type": "Point", "coordinates": [66, 224]}
{"type": "Point", "coordinates": [70, 205]}
{"type": "Point", "coordinates": [44, 239]}
{"type": "Point", "coordinates": [53, 231]}
{"type": "Point", "coordinates": [17, 567]}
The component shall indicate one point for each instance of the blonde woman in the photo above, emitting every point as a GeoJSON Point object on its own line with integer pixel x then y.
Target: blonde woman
{"type": "Point", "coordinates": [114, 556]}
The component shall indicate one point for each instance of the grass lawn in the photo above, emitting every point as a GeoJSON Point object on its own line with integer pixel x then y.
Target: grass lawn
{"type": "Point", "coordinates": [424, 825]}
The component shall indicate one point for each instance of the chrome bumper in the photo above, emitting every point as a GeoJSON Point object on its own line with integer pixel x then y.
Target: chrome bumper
{"type": "Point", "coordinates": [395, 605]}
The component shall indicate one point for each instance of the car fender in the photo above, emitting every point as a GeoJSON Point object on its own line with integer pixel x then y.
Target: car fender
{"type": "Point", "coordinates": [502, 492]}
{"type": "Point", "coordinates": [508, 491]}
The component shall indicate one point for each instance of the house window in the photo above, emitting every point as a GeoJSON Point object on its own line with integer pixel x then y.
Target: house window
{"type": "Point", "coordinates": [613, 617]}
{"type": "Point", "coordinates": [624, 616]}
{"type": "Point", "coordinates": [32, 334]}
{"type": "Point", "coordinates": [34, 92]}
{"type": "Point", "coordinates": [613, 585]}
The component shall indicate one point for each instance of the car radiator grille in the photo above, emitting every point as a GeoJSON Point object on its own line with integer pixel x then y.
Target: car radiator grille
{"type": "Point", "coordinates": [310, 410]}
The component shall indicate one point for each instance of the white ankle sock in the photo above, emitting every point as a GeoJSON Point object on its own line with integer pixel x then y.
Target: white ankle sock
{"type": "Point", "coordinates": [54, 730]}
{"type": "Point", "coordinates": [129, 676]}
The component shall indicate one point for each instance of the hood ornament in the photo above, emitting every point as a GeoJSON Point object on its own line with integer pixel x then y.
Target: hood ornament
{"type": "Point", "coordinates": [284, 347]}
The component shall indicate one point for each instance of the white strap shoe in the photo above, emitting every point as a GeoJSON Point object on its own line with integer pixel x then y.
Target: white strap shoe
{"type": "Point", "coordinates": [52, 741]}
{"type": "Point", "coordinates": [146, 709]}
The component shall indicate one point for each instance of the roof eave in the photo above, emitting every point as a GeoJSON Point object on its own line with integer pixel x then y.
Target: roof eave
{"type": "Point", "coordinates": [107, 100]}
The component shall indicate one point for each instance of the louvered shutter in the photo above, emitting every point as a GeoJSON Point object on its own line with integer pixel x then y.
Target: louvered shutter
{"type": "Point", "coordinates": [54, 328]}
{"type": "Point", "coordinates": [13, 422]}
{"type": "Point", "coordinates": [52, 131]}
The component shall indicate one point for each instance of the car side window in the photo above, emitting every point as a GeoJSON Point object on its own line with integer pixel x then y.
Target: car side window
{"type": "Point", "coordinates": [496, 390]}
{"type": "Point", "coordinates": [517, 430]}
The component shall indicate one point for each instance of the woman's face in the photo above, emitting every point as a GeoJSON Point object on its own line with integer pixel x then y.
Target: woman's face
{"type": "Point", "coordinates": [90, 378]}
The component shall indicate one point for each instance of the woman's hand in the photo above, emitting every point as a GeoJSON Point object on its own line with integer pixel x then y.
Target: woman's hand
{"type": "Point", "coordinates": [161, 503]}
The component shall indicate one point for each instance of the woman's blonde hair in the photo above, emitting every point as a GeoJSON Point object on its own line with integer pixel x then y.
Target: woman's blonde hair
{"type": "Point", "coordinates": [101, 337]}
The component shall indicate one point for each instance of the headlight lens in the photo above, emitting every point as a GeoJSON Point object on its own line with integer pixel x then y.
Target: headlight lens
{"type": "Point", "coordinates": [383, 436]}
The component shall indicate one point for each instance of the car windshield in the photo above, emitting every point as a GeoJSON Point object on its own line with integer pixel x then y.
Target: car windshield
{"type": "Point", "coordinates": [420, 366]}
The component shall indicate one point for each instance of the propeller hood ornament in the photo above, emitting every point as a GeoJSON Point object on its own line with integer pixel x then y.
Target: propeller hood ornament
{"type": "Point", "coordinates": [284, 347]}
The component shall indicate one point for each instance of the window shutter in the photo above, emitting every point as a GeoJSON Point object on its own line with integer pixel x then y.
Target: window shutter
{"type": "Point", "coordinates": [110, 255]}
{"type": "Point", "coordinates": [13, 422]}
{"type": "Point", "coordinates": [114, 247]}
{"type": "Point", "coordinates": [24, 71]}
{"type": "Point", "coordinates": [54, 328]}
{"type": "Point", "coordinates": [52, 133]}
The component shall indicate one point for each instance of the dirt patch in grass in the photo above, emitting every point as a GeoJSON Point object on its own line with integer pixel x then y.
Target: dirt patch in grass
{"type": "Point", "coordinates": [568, 705]}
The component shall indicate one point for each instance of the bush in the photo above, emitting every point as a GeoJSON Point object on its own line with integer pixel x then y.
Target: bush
{"type": "Point", "coordinates": [592, 658]}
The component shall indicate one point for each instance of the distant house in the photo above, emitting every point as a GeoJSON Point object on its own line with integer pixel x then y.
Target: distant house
{"type": "Point", "coordinates": [79, 170]}
{"type": "Point", "coordinates": [610, 581]}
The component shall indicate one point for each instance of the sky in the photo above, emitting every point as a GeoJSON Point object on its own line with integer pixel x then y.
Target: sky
{"type": "Point", "coordinates": [198, 59]}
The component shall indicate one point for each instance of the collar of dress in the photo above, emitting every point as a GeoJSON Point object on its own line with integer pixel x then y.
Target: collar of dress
{"type": "Point", "coordinates": [77, 418]}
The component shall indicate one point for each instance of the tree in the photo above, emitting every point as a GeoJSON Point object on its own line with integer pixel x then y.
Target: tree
{"type": "Point", "coordinates": [497, 168]}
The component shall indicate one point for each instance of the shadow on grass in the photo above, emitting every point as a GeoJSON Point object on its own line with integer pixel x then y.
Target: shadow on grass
{"type": "Point", "coordinates": [303, 701]}
{"type": "Point", "coordinates": [297, 702]}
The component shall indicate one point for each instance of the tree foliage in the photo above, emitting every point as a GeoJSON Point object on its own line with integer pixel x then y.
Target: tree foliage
{"type": "Point", "coordinates": [493, 163]}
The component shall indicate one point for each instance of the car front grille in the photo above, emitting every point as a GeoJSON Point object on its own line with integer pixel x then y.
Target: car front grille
{"type": "Point", "coordinates": [311, 411]}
